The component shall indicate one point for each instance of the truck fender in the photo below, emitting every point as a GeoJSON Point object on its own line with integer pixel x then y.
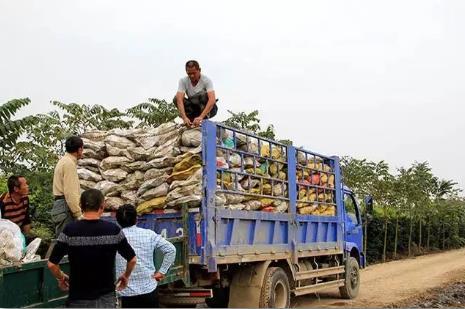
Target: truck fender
{"type": "Point", "coordinates": [246, 285]}
{"type": "Point", "coordinates": [349, 246]}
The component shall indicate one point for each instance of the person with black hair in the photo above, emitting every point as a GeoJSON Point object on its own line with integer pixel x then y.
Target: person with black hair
{"type": "Point", "coordinates": [66, 187]}
{"type": "Point", "coordinates": [201, 101]}
{"type": "Point", "coordinates": [140, 292]}
{"type": "Point", "coordinates": [14, 204]}
{"type": "Point", "coordinates": [91, 245]}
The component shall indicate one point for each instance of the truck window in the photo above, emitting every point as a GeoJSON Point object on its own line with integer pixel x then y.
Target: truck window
{"type": "Point", "coordinates": [351, 208]}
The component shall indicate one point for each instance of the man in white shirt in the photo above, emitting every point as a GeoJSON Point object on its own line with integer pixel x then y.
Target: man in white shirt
{"type": "Point", "coordinates": [201, 101]}
{"type": "Point", "coordinates": [140, 292]}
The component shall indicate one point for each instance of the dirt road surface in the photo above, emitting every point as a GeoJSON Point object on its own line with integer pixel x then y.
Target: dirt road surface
{"type": "Point", "coordinates": [388, 284]}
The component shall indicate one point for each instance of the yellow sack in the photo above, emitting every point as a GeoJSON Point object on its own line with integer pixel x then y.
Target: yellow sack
{"type": "Point", "coordinates": [282, 175]}
{"type": "Point", "coordinates": [312, 197]}
{"type": "Point", "coordinates": [258, 171]}
{"type": "Point", "coordinates": [302, 175]}
{"type": "Point", "coordinates": [323, 179]}
{"type": "Point", "coordinates": [328, 197]}
{"type": "Point", "coordinates": [267, 189]}
{"type": "Point", "coordinates": [275, 168]}
{"type": "Point", "coordinates": [275, 152]}
{"type": "Point", "coordinates": [326, 168]}
{"type": "Point", "coordinates": [148, 206]}
{"type": "Point", "coordinates": [330, 211]}
{"type": "Point", "coordinates": [308, 210]}
{"type": "Point", "coordinates": [331, 181]}
{"type": "Point", "coordinates": [302, 194]}
{"type": "Point", "coordinates": [266, 202]}
{"type": "Point", "coordinates": [187, 162]}
{"type": "Point", "coordinates": [184, 174]}
{"type": "Point", "coordinates": [315, 166]}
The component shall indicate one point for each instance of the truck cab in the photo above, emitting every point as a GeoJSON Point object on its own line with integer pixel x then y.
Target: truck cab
{"type": "Point", "coordinates": [353, 227]}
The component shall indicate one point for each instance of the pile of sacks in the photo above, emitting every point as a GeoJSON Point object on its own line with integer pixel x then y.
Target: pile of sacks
{"type": "Point", "coordinates": [152, 168]}
{"type": "Point", "coordinates": [239, 173]}
{"type": "Point", "coordinates": [315, 181]}
{"type": "Point", "coordinates": [12, 245]}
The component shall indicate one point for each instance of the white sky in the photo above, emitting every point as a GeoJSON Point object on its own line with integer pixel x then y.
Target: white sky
{"type": "Point", "coordinates": [382, 80]}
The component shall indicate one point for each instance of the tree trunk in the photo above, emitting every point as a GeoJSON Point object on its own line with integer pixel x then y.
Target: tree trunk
{"type": "Point", "coordinates": [395, 238]}
{"type": "Point", "coordinates": [439, 235]}
{"type": "Point", "coordinates": [410, 237]}
{"type": "Point", "coordinates": [365, 239]}
{"type": "Point", "coordinates": [427, 237]}
{"type": "Point", "coordinates": [385, 238]}
{"type": "Point", "coordinates": [419, 236]}
{"type": "Point", "coordinates": [443, 237]}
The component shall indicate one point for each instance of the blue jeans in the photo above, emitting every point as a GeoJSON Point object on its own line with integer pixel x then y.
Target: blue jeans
{"type": "Point", "coordinates": [104, 301]}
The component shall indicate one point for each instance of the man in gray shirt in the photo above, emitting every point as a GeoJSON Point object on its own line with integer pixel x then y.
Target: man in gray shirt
{"type": "Point", "coordinates": [200, 102]}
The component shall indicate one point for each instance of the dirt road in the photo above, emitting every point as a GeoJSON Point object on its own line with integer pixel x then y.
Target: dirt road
{"type": "Point", "coordinates": [387, 284]}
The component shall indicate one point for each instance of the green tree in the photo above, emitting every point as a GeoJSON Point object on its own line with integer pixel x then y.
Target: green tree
{"type": "Point", "coordinates": [153, 113]}
{"type": "Point", "coordinates": [79, 118]}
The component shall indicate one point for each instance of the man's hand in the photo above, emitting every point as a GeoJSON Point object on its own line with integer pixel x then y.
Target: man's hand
{"type": "Point", "coordinates": [122, 282]}
{"type": "Point", "coordinates": [197, 121]}
{"type": "Point", "coordinates": [63, 283]}
{"type": "Point", "coordinates": [187, 122]}
{"type": "Point", "coordinates": [158, 276]}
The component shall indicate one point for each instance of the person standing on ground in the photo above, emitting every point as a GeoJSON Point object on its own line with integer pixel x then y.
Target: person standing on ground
{"type": "Point", "coordinates": [91, 245]}
{"type": "Point", "coordinates": [14, 204]}
{"type": "Point", "coordinates": [140, 292]}
{"type": "Point", "coordinates": [201, 101]}
{"type": "Point", "coordinates": [66, 188]}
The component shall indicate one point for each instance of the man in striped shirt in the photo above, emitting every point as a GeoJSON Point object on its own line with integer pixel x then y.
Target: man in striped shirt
{"type": "Point", "coordinates": [140, 292]}
{"type": "Point", "coordinates": [14, 204]}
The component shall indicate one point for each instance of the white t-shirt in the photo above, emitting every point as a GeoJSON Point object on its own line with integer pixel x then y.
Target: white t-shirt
{"type": "Point", "coordinates": [204, 84]}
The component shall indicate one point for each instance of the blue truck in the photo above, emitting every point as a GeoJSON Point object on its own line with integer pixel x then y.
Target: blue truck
{"type": "Point", "coordinates": [304, 236]}
{"type": "Point", "coordinates": [261, 257]}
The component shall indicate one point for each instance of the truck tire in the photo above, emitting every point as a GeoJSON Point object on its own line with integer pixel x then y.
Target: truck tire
{"type": "Point", "coordinates": [220, 298]}
{"type": "Point", "coordinates": [352, 280]}
{"type": "Point", "coordinates": [180, 302]}
{"type": "Point", "coordinates": [275, 292]}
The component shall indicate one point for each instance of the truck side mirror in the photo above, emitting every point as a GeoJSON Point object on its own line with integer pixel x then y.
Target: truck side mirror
{"type": "Point", "coordinates": [369, 204]}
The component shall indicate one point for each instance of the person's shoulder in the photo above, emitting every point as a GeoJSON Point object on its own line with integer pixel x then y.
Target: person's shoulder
{"type": "Point", "coordinates": [110, 226]}
{"type": "Point", "coordinates": [66, 161]}
{"type": "Point", "coordinates": [72, 228]}
{"type": "Point", "coordinates": [205, 78]}
{"type": "Point", "coordinates": [184, 79]}
{"type": "Point", "coordinates": [146, 232]}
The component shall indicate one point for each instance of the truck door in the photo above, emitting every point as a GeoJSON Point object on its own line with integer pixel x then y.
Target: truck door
{"type": "Point", "coordinates": [353, 221]}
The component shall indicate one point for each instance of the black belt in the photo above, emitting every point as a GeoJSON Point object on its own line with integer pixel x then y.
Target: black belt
{"type": "Point", "coordinates": [59, 197]}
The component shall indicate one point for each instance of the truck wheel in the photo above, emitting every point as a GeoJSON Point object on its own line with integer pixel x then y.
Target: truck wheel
{"type": "Point", "coordinates": [352, 280]}
{"type": "Point", "coordinates": [180, 302]}
{"type": "Point", "coordinates": [275, 292]}
{"type": "Point", "coordinates": [220, 298]}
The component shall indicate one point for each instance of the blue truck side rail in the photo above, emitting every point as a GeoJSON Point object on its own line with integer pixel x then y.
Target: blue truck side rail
{"type": "Point", "coordinates": [235, 236]}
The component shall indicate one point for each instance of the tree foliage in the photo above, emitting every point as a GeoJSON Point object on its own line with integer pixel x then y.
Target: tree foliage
{"type": "Point", "coordinates": [415, 211]}
{"type": "Point", "coordinates": [153, 113]}
{"type": "Point", "coordinates": [10, 128]}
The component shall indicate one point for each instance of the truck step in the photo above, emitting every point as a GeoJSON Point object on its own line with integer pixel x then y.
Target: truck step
{"type": "Point", "coordinates": [318, 287]}
{"type": "Point", "coordinates": [309, 274]}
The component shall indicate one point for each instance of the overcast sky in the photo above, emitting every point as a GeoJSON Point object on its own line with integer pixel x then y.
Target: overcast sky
{"type": "Point", "coordinates": [382, 80]}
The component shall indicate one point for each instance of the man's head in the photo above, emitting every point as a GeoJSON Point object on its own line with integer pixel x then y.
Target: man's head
{"type": "Point", "coordinates": [18, 185]}
{"type": "Point", "coordinates": [74, 145]}
{"type": "Point", "coordinates": [92, 201]}
{"type": "Point", "coordinates": [193, 70]}
{"type": "Point", "coordinates": [126, 215]}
